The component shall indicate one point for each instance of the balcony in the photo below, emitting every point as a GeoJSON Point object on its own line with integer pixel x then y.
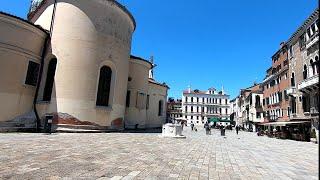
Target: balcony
{"type": "Point", "coordinates": [314, 39]}
{"type": "Point", "coordinates": [309, 82]}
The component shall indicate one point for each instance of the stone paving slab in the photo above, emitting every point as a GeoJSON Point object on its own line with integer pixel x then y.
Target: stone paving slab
{"type": "Point", "coordinates": [148, 156]}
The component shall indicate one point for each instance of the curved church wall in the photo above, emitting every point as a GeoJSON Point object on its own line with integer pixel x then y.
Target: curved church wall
{"type": "Point", "coordinates": [158, 94]}
{"type": "Point", "coordinates": [137, 94]}
{"type": "Point", "coordinates": [20, 54]}
{"type": "Point", "coordinates": [87, 35]}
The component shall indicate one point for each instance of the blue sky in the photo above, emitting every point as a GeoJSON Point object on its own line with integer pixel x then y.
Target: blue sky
{"type": "Point", "coordinates": [207, 43]}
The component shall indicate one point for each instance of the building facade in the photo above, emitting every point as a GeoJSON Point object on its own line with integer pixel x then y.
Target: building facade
{"type": "Point", "coordinates": [253, 112]}
{"type": "Point", "coordinates": [247, 109]}
{"type": "Point", "coordinates": [275, 85]}
{"type": "Point", "coordinates": [19, 62]}
{"type": "Point", "coordinates": [199, 106]}
{"type": "Point", "coordinates": [304, 71]}
{"type": "Point", "coordinates": [86, 75]}
{"type": "Point", "coordinates": [174, 110]}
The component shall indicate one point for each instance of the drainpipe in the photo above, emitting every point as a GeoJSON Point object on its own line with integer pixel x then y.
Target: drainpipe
{"type": "Point", "coordinates": [53, 17]}
{"type": "Point", "coordinates": [44, 50]}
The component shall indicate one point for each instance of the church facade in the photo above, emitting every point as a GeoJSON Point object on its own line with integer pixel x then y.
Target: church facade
{"type": "Point", "coordinates": [77, 66]}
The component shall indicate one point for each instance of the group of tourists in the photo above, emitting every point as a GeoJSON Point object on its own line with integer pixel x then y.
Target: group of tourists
{"type": "Point", "coordinates": [208, 127]}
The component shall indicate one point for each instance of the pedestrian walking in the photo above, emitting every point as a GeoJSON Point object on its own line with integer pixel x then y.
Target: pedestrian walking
{"type": "Point", "coordinates": [182, 124]}
{"type": "Point", "coordinates": [206, 126]}
{"type": "Point", "coordinates": [192, 126]}
{"type": "Point", "coordinates": [237, 129]}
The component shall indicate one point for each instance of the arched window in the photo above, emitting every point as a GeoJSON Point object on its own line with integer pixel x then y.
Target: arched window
{"type": "Point", "coordinates": [305, 72]}
{"type": "Point", "coordinates": [258, 101]}
{"type": "Point", "coordinates": [293, 83]}
{"type": "Point", "coordinates": [316, 63]}
{"type": "Point", "coordinates": [160, 108]}
{"type": "Point", "coordinates": [313, 68]}
{"type": "Point", "coordinates": [104, 86]}
{"type": "Point", "coordinates": [50, 80]}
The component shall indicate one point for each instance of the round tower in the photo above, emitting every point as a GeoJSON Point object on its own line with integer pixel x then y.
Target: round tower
{"type": "Point", "coordinates": [91, 44]}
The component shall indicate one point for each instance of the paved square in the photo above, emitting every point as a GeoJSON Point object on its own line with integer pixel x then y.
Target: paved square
{"type": "Point", "coordinates": [147, 156]}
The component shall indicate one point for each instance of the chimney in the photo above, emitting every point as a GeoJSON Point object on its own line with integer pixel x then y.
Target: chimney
{"type": "Point", "coordinates": [151, 70]}
{"type": "Point", "coordinates": [189, 89]}
{"type": "Point", "coordinates": [282, 44]}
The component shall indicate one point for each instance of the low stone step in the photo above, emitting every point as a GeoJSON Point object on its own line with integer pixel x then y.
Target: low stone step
{"type": "Point", "coordinates": [71, 130]}
{"type": "Point", "coordinates": [11, 124]}
{"type": "Point", "coordinates": [16, 129]}
{"type": "Point", "coordinates": [86, 127]}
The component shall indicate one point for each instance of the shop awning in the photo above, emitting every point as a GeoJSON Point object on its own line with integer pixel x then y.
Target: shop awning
{"type": "Point", "coordinates": [215, 119]}
{"type": "Point", "coordinates": [284, 123]}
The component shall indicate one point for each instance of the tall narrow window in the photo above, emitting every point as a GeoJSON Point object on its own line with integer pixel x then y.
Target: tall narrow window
{"type": "Point", "coordinates": [280, 96]}
{"type": "Point", "coordinates": [104, 86]}
{"type": "Point", "coordinates": [160, 110]}
{"type": "Point", "coordinates": [305, 72]}
{"type": "Point", "coordinates": [50, 80]}
{"type": "Point", "coordinates": [313, 68]}
{"type": "Point", "coordinates": [286, 97]}
{"type": "Point", "coordinates": [32, 73]}
{"type": "Point", "coordinates": [258, 104]}
{"type": "Point", "coordinates": [293, 106]}
{"type": "Point", "coordinates": [128, 99]}
{"type": "Point", "coordinates": [316, 63]}
{"type": "Point", "coordinates": [293, 83]}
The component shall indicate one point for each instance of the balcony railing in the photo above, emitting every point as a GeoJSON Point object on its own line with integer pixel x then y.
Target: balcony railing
{"type": "Point", "coordinates": [271, 118]}
{"type": "Point", "coordinates": [313, 39]}
{"type": "Point", "coordinates": [292, 91]}
{"type": "Point", "coordinates": [311, 81]}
